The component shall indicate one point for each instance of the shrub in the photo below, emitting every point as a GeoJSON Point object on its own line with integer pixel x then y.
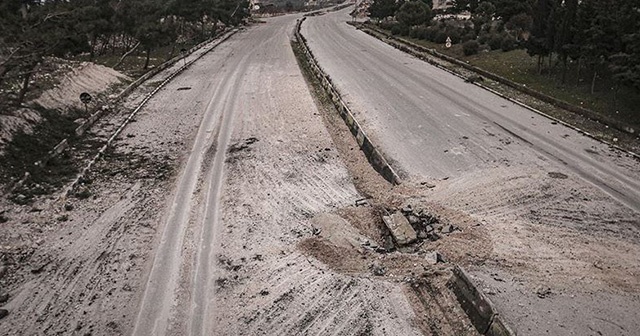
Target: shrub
{"type": "Point", "coordinates": [455, 35]}
{"type": "Point", "coordinates": [386, 25]}
{"type": "Point", "coordinates": [484, 38]}
{"type": "Point", "coordinates": [441, 37]}
{"type": "Point", "coordinates": [495, 42]}
{"type": "Point", "coordinates": [400, 29]}
{"type": "Point", "coordinates": [420, 32]}
{"type": "Point", "coordinates": [468, 37]}
{"type": "Point", "coordinates": [430, 33]}
{"type": "Point", "coordinates": [470, 47]}
{"type": "Point", "coordinates": [508, 44]}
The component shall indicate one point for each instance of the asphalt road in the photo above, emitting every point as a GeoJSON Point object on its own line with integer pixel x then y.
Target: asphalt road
{"type": "Point", "coordinates": [434, 125]}
{"type": "Point", "coordinates": [555, 201]}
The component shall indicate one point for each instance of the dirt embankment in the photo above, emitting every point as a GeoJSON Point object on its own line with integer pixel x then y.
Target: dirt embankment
{"type": "Point", "coordinates": [60, 84]}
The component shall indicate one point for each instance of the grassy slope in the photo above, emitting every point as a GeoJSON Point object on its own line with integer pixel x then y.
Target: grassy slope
{"type": "Point", "coordinates": [519, 67]}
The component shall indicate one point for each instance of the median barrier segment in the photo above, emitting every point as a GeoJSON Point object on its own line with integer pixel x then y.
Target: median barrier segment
{"type": "Point", "coordinates": [375, 158]}
{"type": "Point", "coordinates": [477, 306]}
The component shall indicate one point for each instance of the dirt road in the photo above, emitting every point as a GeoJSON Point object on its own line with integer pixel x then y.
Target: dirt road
{"type": "Point", "coordinates": [562, 210]}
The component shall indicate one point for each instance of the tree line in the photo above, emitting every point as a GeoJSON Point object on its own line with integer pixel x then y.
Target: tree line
{"type": "Point", "coordinates": [31, 30]}
{"type": "Point", "coordinates": [601, 36]}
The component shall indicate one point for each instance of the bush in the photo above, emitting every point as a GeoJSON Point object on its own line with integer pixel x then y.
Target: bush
{"type": "Point", "coordinates": [508, 44]}
{"type": "Point", "coordinates": [419, 32]}
{"type": "Point", "coordinates": [441, 37]}
{"type": "Point", "coordinates": [468, 37]}
{"type": "Point", "coordinates": [484, 38]}
{"type": "Point", "coordinates": [400, 29]}
{"type": "Point", "coordinates": [386, 25]}
{"type": "Point", "coordinates": [495, 42]}
{"type": "Point", "coordinates": [430, 33]}
{"type": "Point", "coordinates": [470, 47]}
{"type": "Point", "coordinates": [455, 35]}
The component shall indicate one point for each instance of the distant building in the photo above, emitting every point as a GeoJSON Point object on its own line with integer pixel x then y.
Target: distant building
{"type": "Point", "coordinates": [441, 4]}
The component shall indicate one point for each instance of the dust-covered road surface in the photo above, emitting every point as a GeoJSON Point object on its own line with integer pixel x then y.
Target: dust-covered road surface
{"type": "Point", "coordinates": [562, 210]}
{"type": "Point", "coordinates": [260, 166]}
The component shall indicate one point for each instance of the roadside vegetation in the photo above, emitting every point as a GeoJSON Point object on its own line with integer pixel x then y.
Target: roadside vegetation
{"type": "Point", "coordinates": [584, 52]}
{"type": "Point", "coordinates": [121, 34]}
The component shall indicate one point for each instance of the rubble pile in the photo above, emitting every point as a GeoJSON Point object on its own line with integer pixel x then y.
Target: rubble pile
{"type": "Point", "coordinates": [408, 225]}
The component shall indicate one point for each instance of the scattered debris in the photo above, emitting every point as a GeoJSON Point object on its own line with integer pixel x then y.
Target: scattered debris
{"type": "Point", "coordinates": [362, 202]}
{"type": "Point", "coordinates": [264, 292]}
{"type": "Point", "coordinates": [543, 292]}
{"type": "Point", "coordinates": [39, 268]}
{"type": "Point", "coordinates": [447, 229]}
{"type": "Point", "coordinates": [428, 184]}
{"type": "Point", "coordinates": [433, 258]}
{"type": "Point", "coordinates": [474, 78]}
{"type": "Point", "coordinates": [557, 175]}
{"type": "Point", "coordinates": [240, 146]}
{"type": "Point", "coordinates": [377, 269]}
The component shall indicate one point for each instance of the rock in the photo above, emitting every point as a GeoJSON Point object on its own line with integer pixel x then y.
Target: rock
{"type": "Point", "coordinates": [422, 235]}
{"type": "Point", "coordinates": [388, 244]}
{"type": "Point", "coordinates": [68, 206]}
{"type": "Point", "coordinates": [428, 229]}
{"type": "Point", "coordinates": [264, 292]}
{"type": "Point", "coordinates": [362, 202]}
{"type": "Point", "coordinates": [433, 257]}
{"type": "Point", "coordinates": [3, 313]}
{"type": "Point", "coordinates": [447, 229]}
{"type": "Point", "coordinates": [400, 229]}
{"type": "Point", "coordinates": [474, 79]}
{"type": "Point", "coordinates": [3, 218]}
{"type": "Point", "coordinates": [377, 269]}
{"type": "Point", "coordinates": [4, 298]}
{"type": "Point", "coordinates": [21, 199]}
{"type": "Point", "coordinates": [428, 185]}
{"type": "Point", "coordinates": [433, 236]}
{"type": "Point", "coordinates": [39, 268]}
{"type": "Point", "coordinates": [407, 209]}
{"type": "Point", "coordinates": [543, 292]}
{"type": "Point", "coordinates": [413, 220]}
{"type": "Point", "coordinates": [3, 271]}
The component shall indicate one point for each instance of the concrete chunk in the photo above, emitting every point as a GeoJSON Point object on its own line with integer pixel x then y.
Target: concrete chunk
{"type": "Point", "coordinates": [400, 228]}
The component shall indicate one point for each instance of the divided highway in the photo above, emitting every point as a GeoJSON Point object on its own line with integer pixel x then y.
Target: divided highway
{"type": "Point", "coordinates": [435, 125]}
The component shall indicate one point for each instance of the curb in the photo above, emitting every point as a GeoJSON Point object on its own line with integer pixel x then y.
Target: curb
{"type": "Point", "coordinates": [80, 178]}
{"type": "Point", "coordinates": [375, 158]}
{"type": "Point", "coordinates": [406, 46]}
{"type": "Point", "coordinates": [477, 306]}
{"type": "Point", "coordinates": [64, 144]}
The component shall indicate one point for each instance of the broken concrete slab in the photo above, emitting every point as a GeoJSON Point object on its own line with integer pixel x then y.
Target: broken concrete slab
{"type": "Point", "coordinates": [433, 258]}
{"type": "Point", "coordinates": [401, 230]}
